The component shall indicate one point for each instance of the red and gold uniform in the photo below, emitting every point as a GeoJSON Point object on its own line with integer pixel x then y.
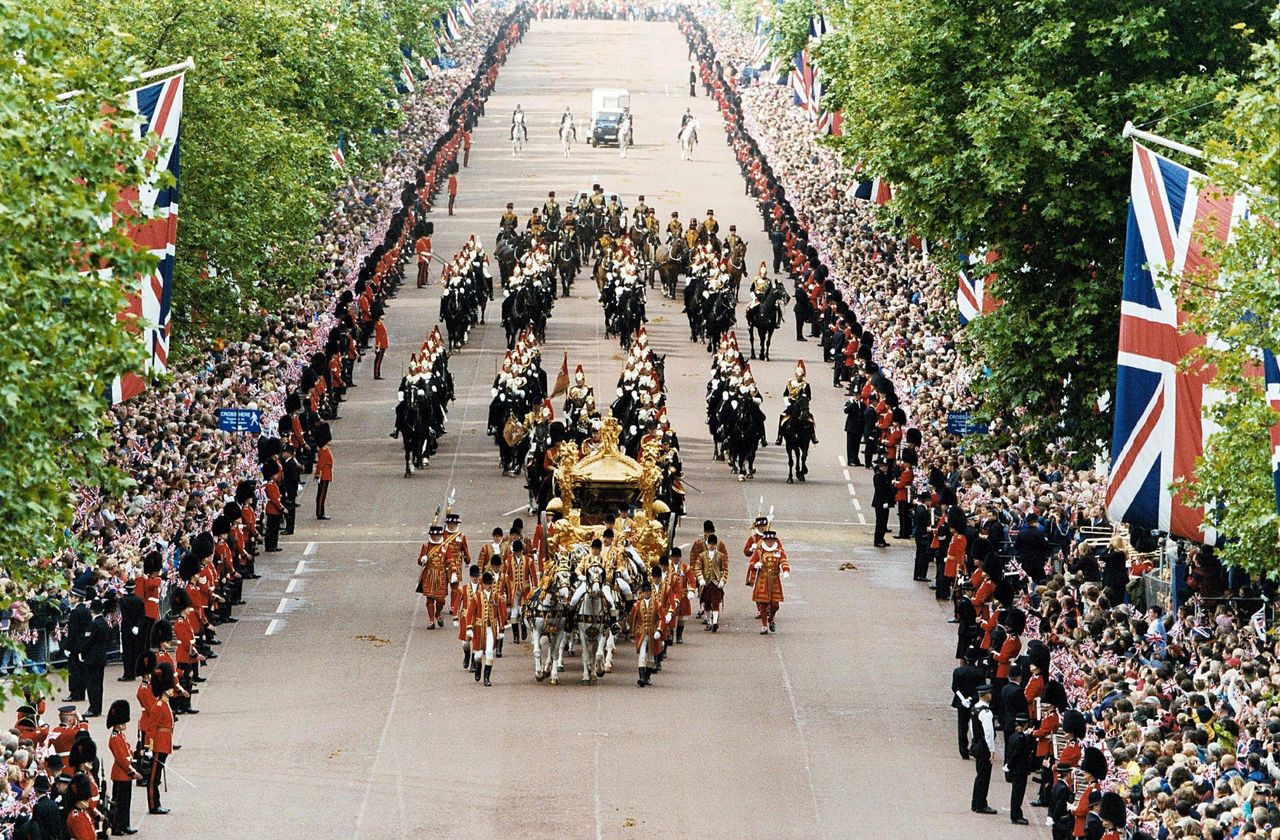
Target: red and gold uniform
{"type": "Point", "coordinates": [433, 580]}
{"type": "Point", "coordinates": [766, 570]}
{"type": "Point", "coordinates": [711, 567]}
{"type": "Point", "coordinates": [648, 620]}
{"type": "Point", "coordinates": [485, 618]}
{"type": "Point", "coordinates": [457, 558]}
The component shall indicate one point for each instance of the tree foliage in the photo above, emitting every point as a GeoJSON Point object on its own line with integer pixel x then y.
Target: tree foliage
{"type": "Point", "coordinates": [999, 123]}
{"type": "Point", "coordinates": [65, 164]}
{"type": "Point", "coordinates": [1236, 467]}
{"type": "Point", "coordinates": [276, 84]}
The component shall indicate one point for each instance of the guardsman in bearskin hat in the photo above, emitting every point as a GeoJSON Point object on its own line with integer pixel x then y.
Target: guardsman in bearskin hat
{"type": "Point", "coordinates": [1114, 818]}
{"type": "Point", "coordinates": [485, 618]}
{"type": "Point", "coordinates": [80, 819]}
{"type": "Point", "coordinates": [157, 722]}
{"type": "Point", "coordinates": [122, 773]}
{"type": "Point", "coordinates": [766, 570]}
{"type": "Point", "coordinates": [433, 580]}
{"type": "Point", "coordinates": [1094, 765]}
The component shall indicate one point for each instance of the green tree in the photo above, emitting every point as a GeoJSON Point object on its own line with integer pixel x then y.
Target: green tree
{"type": "Point", "coordinates": [276, 83]}
{"type": "Point", "coordinates": [1233, 479]}
{"type": "Point", "coordinates": [64, 167]}
{"type": "Point", "coordinates": [791, 27]}
{"type": "Point", "coordinates": [1000, 123]}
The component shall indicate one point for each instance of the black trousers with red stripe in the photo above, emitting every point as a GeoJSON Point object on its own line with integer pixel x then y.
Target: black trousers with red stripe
{"type": "Point", "coordinates": [153, 781]}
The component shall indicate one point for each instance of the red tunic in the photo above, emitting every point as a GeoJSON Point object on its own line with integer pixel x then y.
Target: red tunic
{"type": "Point", "coordinates": [80, 825]}
{"type": "Point", "coordinates": [324, 465]}
{"type": "Point", "coordinates": [767, 580]}
{"type": "Point", "coordinates": [122, 766]}
{"type": "Point", "coordinates": [160, 729]}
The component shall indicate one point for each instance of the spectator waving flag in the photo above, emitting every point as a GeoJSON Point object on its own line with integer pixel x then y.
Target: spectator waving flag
{"type": "Point", "coordinates": [151, 213]}
{"type": "Point", "coordinates": [1160, 427]}
{"type": "Point", "coordinates": [972, 297]}
{"type": "Point", "coordinates": [1271, 372]}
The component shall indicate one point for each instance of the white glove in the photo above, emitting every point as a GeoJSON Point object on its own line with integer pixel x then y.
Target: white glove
{"type": "Point", "coordinates": [134, 630]}
{"type": "Point", "coordinates": [453, 578]}
{"type": "Point", "coordinates": [759, 566]}
{"type": "Point", "coordinates": [470, 634]}
{"type": "Point", "coordinates": [668, 618]}
{"type": "Point", "coordinates": [786, 575]}
{"type": "Point", "coordinates": [657, 634]}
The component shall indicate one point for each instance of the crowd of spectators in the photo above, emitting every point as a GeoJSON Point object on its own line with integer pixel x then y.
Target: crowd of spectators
{"type": "Point", "coordinates": [1179, 693]}
{"type": "Point", "coordinates": [189, 477]}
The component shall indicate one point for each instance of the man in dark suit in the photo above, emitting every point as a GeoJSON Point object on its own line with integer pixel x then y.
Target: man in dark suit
{"type": "Point", "coordinates": [1032, 548]}
{"type": "Point", "coordinates": [852, 428]}
{"type": "Point", "coordinates": [77, 629]}
{"type": "Point", "coordinates": [964, 681]}
{"type": "Point", "coordinates": [870, 434]}
{"type": "Point", "coordinates": [93, 653]}
{"type": "Point", "coordinates": [922, 530]}
{"type": "Point", "coordinates": [1012, 702]}
{"type": "Point", "coordinates": [1019, 761]}
{"type": "Point", "coordinates": [882, 501]}
{"type": "Point", "coordinates": [291, 480]}
{"type": "Point", "coordinates": [47, 812]}
{"type": "Point", "coordinates": [132, 642]}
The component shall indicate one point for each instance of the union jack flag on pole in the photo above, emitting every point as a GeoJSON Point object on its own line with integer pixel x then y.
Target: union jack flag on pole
{"type": "Point", "coordinates": [151, 213]}
{"type": "Point", "coordinates": [1271, 372]}
{"type": "Point", "coordinates": [1160, 425]}
{"type": "Point", "coordinates": [451, 26]}
{"type": "Point", "coordinates": [972, 296]}
{"type": "Point", "coordinates": [875, 190]}
{"type": "Point", "coordinates": [466, 15]}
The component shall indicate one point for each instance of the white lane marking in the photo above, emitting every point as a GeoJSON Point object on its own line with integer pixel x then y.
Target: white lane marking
{"type": "Point", "coordinates": [840, 460]}
{"type": "Point", "coordinates": [273, 626]}
{"type": "Point", "coordinates": [386, 724]}
{"type": "Point", "coordinates": [857, 505]}
{"type": "Point", "coordinates": [293, 585]}
{"type": "Point", "coordinates": [284, 602]}
{"type": "Point", "coordinates": [798, 717]}
{"type": "Point", "coordinates": [852, 492]}
{"type": "Point", "coordinates": [862, 520]}
{"type": "Point", "coordinates": [310, 549]}
{"type": "Point", "coordinates": [847, 477]}
{"type": "Point", "coordinates": [302, 567]}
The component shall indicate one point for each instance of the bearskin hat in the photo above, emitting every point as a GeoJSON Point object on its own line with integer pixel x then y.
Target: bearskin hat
{"type": "Point", "coordinates": [1073, 723]}
{"type": "Point", "coordinates": [322, 434]}
{"type": "Point", "coordinates": [190, 566]}
{"type": "Point", "coordinates": [908, 456]}
{"type": "Point", "coordinates": [162, 679]}
{"type": "Point", "coordinates": [899, 416]}
{"type": "Point", "coordinates": [1055, 694]}
{"type": "Point", "coordinates": [221, 526]}
{"type": "Point", "coordinates": [179, 599]}
{"type": "Point", "coordinates": [202, 545]}
{"type": "Point", "coordinates": [270, 469]}
{"type": "Point", "coordinates": [1016, 620]}
{"type": "Point", "coordinates": [79, 789]}
{"type": "Point", "coordinates": [1111, 809]}
{"type": "Point", "coordinates": [232, 510]}
{"type": "Point", "coordinates": [147, 661]}
{"type": "Point", "coordinates": [292, 403]}
{"type": "Point", "coordinates": [268, 448]}
{"type": "Point", "coordinates": [1094, 763]}
{"type": "Point", "coordinates": [1038, 655]}
{"type": "Point", "coordinates": [152, 562]}
{"type": "Point", "coordinates": [118, 713]}
{"type": "Point", "coordinates": [306, 382]}
{"type": "Point", "coordinates": [914, 437]}
{"type": "Point", "coordinates": [83, 750]}
{"type": "Point", "coordinates": [161, 632]}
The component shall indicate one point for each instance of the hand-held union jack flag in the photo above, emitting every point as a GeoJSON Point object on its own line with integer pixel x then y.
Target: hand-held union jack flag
{"type": "Point", "coordinates": [1160, 426]}
{"type": "Point", "coordinates": [151, 213]}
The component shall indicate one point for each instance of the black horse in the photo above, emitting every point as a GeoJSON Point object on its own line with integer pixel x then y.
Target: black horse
{"type": "Point", "coordinates": [567, 262]}
{"type": "Point", "coordinates": [763, 320]}
{"type": "Point", "coordinates": [412, 427]}
{"type": "Point", "coordinates": [742, 424]}
{"type": "Point", "coordinates": [797, 434]}
{"type": "Point", "coordinates": [718, 316]}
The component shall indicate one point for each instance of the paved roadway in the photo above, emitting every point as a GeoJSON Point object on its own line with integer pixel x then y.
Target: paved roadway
{"type": "Point", "coordinates": [335, 713]}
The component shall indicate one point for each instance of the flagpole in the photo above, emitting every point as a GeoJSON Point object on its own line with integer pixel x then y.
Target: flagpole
{"type": "Point", "coordinates": [1131, 131]}
{"type": "Point", "coordinates": [187, 64]}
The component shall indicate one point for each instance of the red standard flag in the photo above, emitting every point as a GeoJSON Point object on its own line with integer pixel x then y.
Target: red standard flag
{"type": "Point", "coordinates": [562, 378]}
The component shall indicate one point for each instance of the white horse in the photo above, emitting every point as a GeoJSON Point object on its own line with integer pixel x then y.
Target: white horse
{"type": "Point", "coordinates": [688, 139]}
{"type": "Point", "coordinates": [519, 134]}
{"type": "Point", "coordinates": [595, 605]}
{"type": "Point", "coordinates": [624, 135]}
{"type": "Point", "coordinates": [545, 614]}
{"type": "Point", "coordinates": [568, 135]}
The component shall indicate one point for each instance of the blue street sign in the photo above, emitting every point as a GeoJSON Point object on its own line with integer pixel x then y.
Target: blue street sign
{"type": "Point", "coordinates": [962, 423]}
{"type": "Point", "coordinates": [240, 420]}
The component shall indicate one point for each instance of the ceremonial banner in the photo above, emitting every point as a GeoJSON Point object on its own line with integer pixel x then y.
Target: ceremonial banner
{"type": "Point", "coordinates": [151, 213]}
{"type": "Point", "coordinates": [562, 378]}
{"type": "Point", "coordinates": [1160, 426]}
{"type": "Point", "coordinates": [972, 297]}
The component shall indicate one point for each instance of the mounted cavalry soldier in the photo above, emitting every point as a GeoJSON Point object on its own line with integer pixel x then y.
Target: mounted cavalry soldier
{"type": "Point", "coordinates": [597, 196]}
{"type": "Point", "coordinates": [550, 209]}
{"type": "Point", "coordinates": [640, 213]}
{"type": "Point", "coordinates": [518, 124]}
{"type": "Point", "coordinates": [509, 221]}
{"type": "Point", "coordinates": [674, 229]}
{"type": "Point", "coordinates": [566, 118]}
{"type": "Point", "coordinates": [796, 389]}
{"type": "Point", "coordinates": [732, 241]}
{"type": "Point", "coordinates": [684, 120]}
{"type": "Point", "coordinates": [576, 401]}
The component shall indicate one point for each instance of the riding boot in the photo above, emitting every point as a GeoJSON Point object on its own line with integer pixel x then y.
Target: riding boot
{"type": "Point", "coordinates": [644, 678]}
{"type": "Point", "coordinates": [680, 634]}
{"type": "Point", "coordinates": [466, 659]}
{"type": "Point", "coordinates": [488, 669]}
{"type": "Point", "coordinates": [498, 646]}
{"type": "Point", "coordinates": [476, 662]}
